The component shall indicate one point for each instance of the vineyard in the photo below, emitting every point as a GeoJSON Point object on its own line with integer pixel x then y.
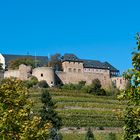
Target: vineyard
{"type": "Point", "coordinates": [79, 109]}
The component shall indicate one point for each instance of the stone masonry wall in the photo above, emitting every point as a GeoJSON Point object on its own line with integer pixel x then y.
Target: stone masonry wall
{"type": "Point", "coordinates": [67, 78]}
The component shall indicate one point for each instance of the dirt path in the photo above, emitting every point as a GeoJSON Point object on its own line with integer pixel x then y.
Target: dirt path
{"type": "Point", "coordinates": [83, 130]}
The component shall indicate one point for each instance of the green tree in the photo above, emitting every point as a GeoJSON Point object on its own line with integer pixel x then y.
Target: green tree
{"type": "Point", "coordinates": [16, 120]}
{"type": "Point", "coordinates": [14, 64]}
{"type": "Point", "coordinates": [132, 95]}
{"type": "Point", "coordinates": [48, 114]}
{"type": "Point", "coordinates": [96, 87]}
{"type": "Point", "coordinates": [55, 62]}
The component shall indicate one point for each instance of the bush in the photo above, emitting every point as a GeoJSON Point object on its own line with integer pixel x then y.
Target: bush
{"type": "Point", "coordinates": [111, 136]}
{"type": "Point", "coordinates": [96, 84]}
{"type": "Point", "coordinates": [71, 86]}
{"type": "Point", "coordinates": [87, 89]}
{"type": "Point", "coordinates": [43, 84]}
{"type": "Point", "coordinates": [82, 83]}
{"type": "Point", "coordinates": [30, 83]}
{"type": "Point", "coordinates": [101, 128]}
{"type": "Point", "coordinates": [34, 80]}
{"type": "Point", "coordinates": [89, 135]}
{"type": "Point", "coordinates": [101, 92]}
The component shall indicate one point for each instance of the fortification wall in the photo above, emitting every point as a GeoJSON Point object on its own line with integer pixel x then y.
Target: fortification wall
{"type": "Point", "coordinates": [72, 67]}
{"type": "Point", "coordinates": [24, 72]}
{"type": "Point", "coordinates": [12, 73]}
{"type": "Point", "coordinates": [119, 82]}
{"type": "Point", "coordinates": [45, 73]}
{"type": "Point", "coordinates": [88, 77]}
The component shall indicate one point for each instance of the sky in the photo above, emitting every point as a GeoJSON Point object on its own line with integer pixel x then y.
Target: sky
{"type": "Point", "coordinates": [92, 29]}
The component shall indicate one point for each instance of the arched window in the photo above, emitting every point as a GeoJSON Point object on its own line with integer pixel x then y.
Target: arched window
{"type": "Point", "coordinates": [41, 74]}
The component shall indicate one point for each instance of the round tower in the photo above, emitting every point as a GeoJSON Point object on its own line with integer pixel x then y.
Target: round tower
{"type": "Point", "coordinates": [45, 73]}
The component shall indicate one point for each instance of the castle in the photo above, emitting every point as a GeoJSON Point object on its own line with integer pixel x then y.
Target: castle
{"type": "Point", "coordinates": [74, 70]}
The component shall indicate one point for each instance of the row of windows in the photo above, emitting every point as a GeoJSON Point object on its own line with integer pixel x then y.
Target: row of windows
{"type": "Point", "coordinates": [97, 70]}
{"type": "Point", "coordinates": [74, 62]}
{"type": "Point", "coordinates": [74, 70]}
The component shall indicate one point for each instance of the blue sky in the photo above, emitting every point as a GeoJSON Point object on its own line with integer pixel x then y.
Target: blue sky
{"type": "Point", "coordinates": [94, 29]}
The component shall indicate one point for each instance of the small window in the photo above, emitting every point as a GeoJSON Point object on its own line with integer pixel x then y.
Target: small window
{"type": "Point", "coordinates": [79, 70]}
{"type": "Point", "coordinates": [41, 74]}
{"type": "Point", "coordinates": [74, 70]}
{"type": "Point", "coordinates": [120, 81]}
{"type": "Point", "coordinates": [70, 70]}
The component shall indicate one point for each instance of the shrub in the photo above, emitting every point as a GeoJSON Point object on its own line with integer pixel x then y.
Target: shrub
{"type": "Point", "coordinates": [82, 83]}
{"type": "Point", "coordinates": [101, 128]}
{"type": "Point", "coordinates": [34, 80]}
{"type": "Point", "coordinates": [96, 85]}
{"type": "Point", "coordinates": [30, 83]}
{"type": "Point", "coordinates": [101, 92]}
{"type": "Point", "coordinates": [87, 89]}
{"type": "Point", "coordinates": [111, 136]}
{"type": "Point", "coordinates": [43, 84]}
{"type": "Point", "coordinates": [89, 135]}
{"type": "Point", "coordinates": [71, 86]}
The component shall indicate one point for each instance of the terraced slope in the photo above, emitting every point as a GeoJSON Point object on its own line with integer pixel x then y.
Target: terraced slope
{"type": "Point", "coordinates": [84, 110]}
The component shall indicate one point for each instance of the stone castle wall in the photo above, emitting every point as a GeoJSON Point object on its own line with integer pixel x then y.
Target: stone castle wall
{"type": "Point", "coordinates": [119, 82]}
{"type": "Point", "coordinates": [23, 73]}
{"type": "Point", "coordinates": [12, 73]}
{"type": "Point", "coordinates": [67, 78]}
{"type": "Point", "coordinates": [71, 74]}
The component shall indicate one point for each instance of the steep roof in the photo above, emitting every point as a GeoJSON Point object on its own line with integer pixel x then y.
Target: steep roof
{"type": "Point", "coordinates": [70, 57]}
{"type": "Point", "coordinates": [112, 68]}
{"type": "Point", "coordinates": [94, 64]}
{"type": "Point", "coordinates": [42, 59]}
{"type": "Point", "coordinates": [89, 63]}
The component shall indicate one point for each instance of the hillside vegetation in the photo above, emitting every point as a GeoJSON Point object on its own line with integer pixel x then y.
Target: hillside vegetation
{"type": "Point", "coordinates": [79, 109]}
